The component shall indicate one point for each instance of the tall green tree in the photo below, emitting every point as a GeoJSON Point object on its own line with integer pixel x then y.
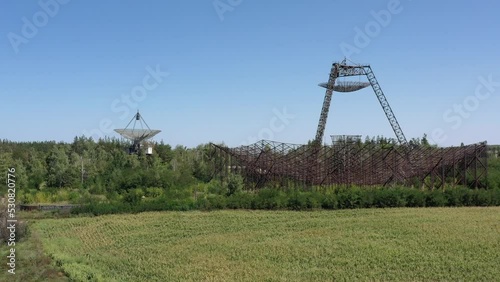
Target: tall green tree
{"type": "Point", "coordinates": [36, 170]}
{"type": "Point", "coordinates": [57, 167]}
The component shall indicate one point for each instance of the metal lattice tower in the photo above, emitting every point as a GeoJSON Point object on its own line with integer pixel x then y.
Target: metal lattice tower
{"type": "Point", "coordinates": [349, 161]}
{"type": "Point", "coordinates": [342, 69]}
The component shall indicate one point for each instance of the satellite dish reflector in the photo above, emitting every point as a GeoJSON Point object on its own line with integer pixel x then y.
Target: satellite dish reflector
{"type": "Point", "coordinates": [350, 86]}
{"type": "Point", "coordinates": [136, 135]}
{"type": "Point", "coordinates": [346, 86]}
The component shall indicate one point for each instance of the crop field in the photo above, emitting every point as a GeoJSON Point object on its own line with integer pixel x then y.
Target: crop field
{"type": "Point", "coordinates": [370, 244]}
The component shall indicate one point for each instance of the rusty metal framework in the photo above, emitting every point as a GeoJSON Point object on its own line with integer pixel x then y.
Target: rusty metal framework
{"type": "Point", "coordinates": [343, 69]}
{"type": "Point", "coordinates": [349, 161]}
{"type": "Point", "coordinates": [269, 163]}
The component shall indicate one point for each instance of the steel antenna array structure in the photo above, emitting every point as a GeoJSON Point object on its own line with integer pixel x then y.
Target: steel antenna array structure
{"type": "Point", "coordinates": [136, 135]}
{"type": "Point", "coordinates": [348, 161]}
{"type": "Point", "coordinates": [343, 69]}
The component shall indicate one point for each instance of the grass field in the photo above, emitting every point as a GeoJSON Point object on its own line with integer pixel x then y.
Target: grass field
{"type": "Point", "coordinates": [31, 263]}
{"type": "Point", "coordinates": [370, 244]}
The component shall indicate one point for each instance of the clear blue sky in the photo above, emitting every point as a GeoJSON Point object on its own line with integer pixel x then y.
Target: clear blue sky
{"type": "Point", "coordinates": [232, 67]}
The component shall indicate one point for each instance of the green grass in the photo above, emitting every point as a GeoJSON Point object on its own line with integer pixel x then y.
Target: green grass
{"type": "Point", "coordinates": [372, 244]}
{"type": "Point", "coordinates": [31, 262]}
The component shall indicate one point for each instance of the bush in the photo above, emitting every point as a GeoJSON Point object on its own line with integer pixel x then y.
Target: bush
{"type": "Point", "coordinates": [436, 198]}
{"type": "Point", "coordinates": [153, 192]}
{"type": "Point", "coordinates": [329, 202]}
{"type": "Point", "coordinates": [495, 196]}
{"type": "Point", "coordinates": [157, 204]}
{"type": "Point", "coordinates": [214, 187]}
{"type": "Point", "coordinates": [349, 198]}
{"type": "Point", "coordinates": [296, 201]}
{"type": "Point", "coordinates": [41, 197]}
{"type": "Point", "coordinates": [482, 198]}
{"type": "Point", "coordinates": [415, 198]}
{"type": "Point", "coordinates": [164, 204]}
{"type": "Point", "coordinates": [203, 204]}
{"type": "Point", "coordinates": [106, 208]}
{"type": "Point", "coordinates": [462, 196]}
{"type": "Point", "coordinates": [212, 202]}
{"type": "Point", "coordinates": [367, 198]}
{"type": "Point", "coordinates": [274, 199]}
{"type": "Point", "coordinates": [217, 201]}
{"type": "Point", "coordinates": [240, 201]}
{"type": "Point", "coordinates": [390, 198]}
{"type": "Point", "coordinates": [313, 200]}
{"type": "Point", "coordinates": [26, 197]}
{"type": "Point", "coordinates": [269, 199]}
{"type": "Point", "coordinates": [133, 196]}
{"type": "Point", "coordinates": [234, 185]}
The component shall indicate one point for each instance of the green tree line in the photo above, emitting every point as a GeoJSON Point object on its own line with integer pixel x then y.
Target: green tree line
{"type": "Point", "coordinates": [102, 171]}
{"type": "Point", "coordinates": [101, 168]}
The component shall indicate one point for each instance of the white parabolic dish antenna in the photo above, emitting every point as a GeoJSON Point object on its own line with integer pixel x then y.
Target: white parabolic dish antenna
{"type": "Point", "coordinates": [137, 135]}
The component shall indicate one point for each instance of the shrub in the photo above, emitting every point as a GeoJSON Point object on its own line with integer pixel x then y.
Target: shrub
{"type": "Point", "coordinates": [269, 199]}
{"type": "Point", "coordinates": [95, 208]}
{"type": "Point", "coordinates": [297, 201]}
{"type": "Point", "coordinates": [41, 197]}
{"type": "Point", "coordinates": [383, 199]}
{"type": "Point", "coordinates": [234, 184]}
{"type": "Point", "coordinates": [215, 187]}
{"type": "Point", "coordinates": [329, 202]}
{"type": "Point", "coordinates": [153, 192]}
{"type": "Point", "coordinates": [458, 196]}
{"type": "Point", "coordinates": [349, 199]}
{"type": "Point", "coordinates": [436, 198]}
{"type": "Point", "coordinates": [162, 203]}
{"type": "Point", "coordinates": [313, 200]}
{"type": "Point", "coordinates": [202, 204]}
{"type": "Point", "coordinates": [495, 196]}
{"type": "Point", "coordinates": [178, 193]}
{"type": "Point", "coordinates": [367, 197]}
{"type": "Point", "coordinates": [217, 201]}
{"type": "Point", "coordinates": [26, 197]}
{"type": "Point", "coordinates": [240, 201]}
{"type": "Point", "coordinates": [482, 197]}
{"type": "Point", "coordinates": [73, 196]}
{"type": "Point", "coordinates": [273, 199]}
{"type": "Point", "coordinates": [390, 198]}
{"type": "Point", "coordinates": [415, 198]}
{"type": "Point", "coordinates": [133, 196]}
{"type": "Point", "coordinates": [212, 202]}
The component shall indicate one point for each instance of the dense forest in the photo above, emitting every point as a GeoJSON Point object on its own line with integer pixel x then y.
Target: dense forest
{"type": "Point", "coordinates": [86, 167]}
{"type": "Point", "coordinates": [87, 170]}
